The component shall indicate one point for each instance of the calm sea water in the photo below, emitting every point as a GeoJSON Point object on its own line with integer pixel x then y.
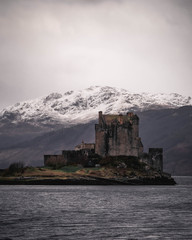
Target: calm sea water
{"type": "Point", "coordinates": [97, 212]}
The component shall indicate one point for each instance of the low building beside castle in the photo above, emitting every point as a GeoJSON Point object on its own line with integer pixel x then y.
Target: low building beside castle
{"type": "Point", "coordinates": [83, 145]}
{"type": "Point", "coordinates": [115, 135]}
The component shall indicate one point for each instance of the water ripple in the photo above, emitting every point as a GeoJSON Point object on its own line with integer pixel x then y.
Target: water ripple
{"type": "Point", "coordinates": [95, 212]}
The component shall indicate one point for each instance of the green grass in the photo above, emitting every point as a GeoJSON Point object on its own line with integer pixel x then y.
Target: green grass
{"type": "Point", "coordinates": [30, 169]}
{"type": "Point", "coordinates": [70, 169]}
{"type": "Point", "coordinates": [92, 169]}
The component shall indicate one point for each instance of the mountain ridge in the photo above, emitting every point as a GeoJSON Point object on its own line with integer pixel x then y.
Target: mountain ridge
{"type": "Point", "coordinates": [75, 107]}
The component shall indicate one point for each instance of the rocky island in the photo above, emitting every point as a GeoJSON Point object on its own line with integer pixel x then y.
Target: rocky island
{"type": "Point", "coordinates": [116, 157]}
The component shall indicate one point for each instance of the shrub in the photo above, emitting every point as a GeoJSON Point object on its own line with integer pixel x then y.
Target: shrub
{"type": "Point", "coordinates": [17, 167]}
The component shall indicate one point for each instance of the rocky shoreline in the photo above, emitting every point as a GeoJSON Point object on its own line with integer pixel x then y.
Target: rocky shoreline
{"type": "Point", "coordinates": [90, 181]}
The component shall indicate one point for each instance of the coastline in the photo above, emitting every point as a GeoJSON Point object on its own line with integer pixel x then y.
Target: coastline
{"type": "Point", "coordinates": [89, 181]}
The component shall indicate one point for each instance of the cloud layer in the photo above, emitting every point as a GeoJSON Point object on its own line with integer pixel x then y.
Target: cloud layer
{"type": "Point", "coordinates": [48, 46]}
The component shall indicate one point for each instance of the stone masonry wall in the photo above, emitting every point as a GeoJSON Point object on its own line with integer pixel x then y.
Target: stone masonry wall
{"type": "Point", "coordinates": [117, 135]}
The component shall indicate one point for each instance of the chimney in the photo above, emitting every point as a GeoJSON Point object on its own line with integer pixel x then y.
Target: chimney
{"type": "Point", "coordinates": [100, 117]}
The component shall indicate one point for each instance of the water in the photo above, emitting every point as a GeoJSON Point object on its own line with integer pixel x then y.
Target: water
{"type": "Point", "coordinates": [96, 212]}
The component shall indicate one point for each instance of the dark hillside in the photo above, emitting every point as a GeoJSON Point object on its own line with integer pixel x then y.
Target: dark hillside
{"type": "Point", "coordinates": [172, 130]}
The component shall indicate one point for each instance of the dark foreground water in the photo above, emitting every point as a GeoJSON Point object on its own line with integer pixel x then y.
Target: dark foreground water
{"type": "Point", "coordinates": [97, 212]}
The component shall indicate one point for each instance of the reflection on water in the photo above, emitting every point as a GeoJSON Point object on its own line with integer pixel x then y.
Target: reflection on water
{"type": "Point", "coordinates": [97, 212]}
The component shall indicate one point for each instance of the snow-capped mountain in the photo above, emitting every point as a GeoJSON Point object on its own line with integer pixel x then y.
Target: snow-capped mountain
{"type": "Point", "coordinates": [75, 107]}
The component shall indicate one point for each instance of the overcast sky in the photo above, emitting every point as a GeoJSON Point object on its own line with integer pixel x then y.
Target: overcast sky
{"type": "Point", "coordinates": [59, 45]}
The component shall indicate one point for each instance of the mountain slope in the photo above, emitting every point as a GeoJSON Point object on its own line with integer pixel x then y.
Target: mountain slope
{"type": "Point", "coordinates": [76, 107]}
{"type": "Point", "coordinates": [172, 130]}
{"type": "Point", "coordinates": [31, 152]}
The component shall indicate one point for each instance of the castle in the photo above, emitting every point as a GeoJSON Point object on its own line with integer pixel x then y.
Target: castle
{"type": "Point", "coordinates": [115, 135]}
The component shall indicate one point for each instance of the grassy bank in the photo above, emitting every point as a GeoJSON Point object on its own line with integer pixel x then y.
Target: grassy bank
{"type": "Point", "coordinates": [76, 174]}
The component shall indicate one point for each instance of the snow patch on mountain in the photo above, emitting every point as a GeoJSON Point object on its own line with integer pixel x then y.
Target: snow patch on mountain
{"type": "Point", "coordinates": [82, 106]}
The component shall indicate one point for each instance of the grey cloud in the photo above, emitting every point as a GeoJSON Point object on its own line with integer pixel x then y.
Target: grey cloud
{"type": "Point", "coordinates": [59, 45]}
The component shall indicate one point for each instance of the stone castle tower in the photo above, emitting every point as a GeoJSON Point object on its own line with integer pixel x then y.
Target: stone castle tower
{"type": "Point", "coordinates": [117, 135]}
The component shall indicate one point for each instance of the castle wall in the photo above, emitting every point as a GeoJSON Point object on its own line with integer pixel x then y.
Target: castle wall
{"type": "Point", "coordinates": [73, 156]}
{"type": "Point", "coordinates": [54, 160]}
{"type": "Point", "coordinates": [67, 157]}
{"type": "Point", "coordinates": [100, 140]}
{"type": "Point", "coordinates": [118, 135]}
